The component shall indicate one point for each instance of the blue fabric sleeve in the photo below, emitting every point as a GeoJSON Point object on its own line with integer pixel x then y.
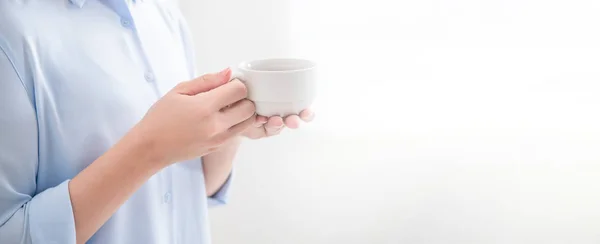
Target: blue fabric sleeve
{"type": "Point", "coordinates": [26, 215]}
{"type": "Point", "coordinates": [221, 197]}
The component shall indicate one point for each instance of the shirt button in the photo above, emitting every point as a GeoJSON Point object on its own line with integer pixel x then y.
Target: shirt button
{"type": "Point", "coordinates": [167, 197]}
{"type": "Point", "coordinates": [149, 77]}
{"type": "Point", "coordinates": [126, 23]}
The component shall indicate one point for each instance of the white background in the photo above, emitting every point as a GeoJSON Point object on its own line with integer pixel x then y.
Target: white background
{"type": "Point", "coordinates": [439, 121]}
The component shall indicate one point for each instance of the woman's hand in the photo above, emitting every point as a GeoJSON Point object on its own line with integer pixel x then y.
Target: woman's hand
{"type": "Point", "coordinates": [266, 127]}
{"type": "Point", "coordinates": [197, 117]}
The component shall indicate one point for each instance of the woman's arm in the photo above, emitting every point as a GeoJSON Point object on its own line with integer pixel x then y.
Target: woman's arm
{"type": "Point", "coordinates": [101, 188]}
{"type": "Point", "coordinates": [218, 165]}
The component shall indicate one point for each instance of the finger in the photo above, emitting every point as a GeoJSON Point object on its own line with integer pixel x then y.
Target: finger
{"type": "Point", "coordinates": [237, 112]}
{"type": "Point", "coordinates": [235, 130]}
{"type": "Point", "coordinates": [292, 121]}
{"type": "Point", "coordinates": [260, 121]}
{"type": "Point", "coordinates": [226, 94]}
{"type": "Point", "coordinates": [204, 83]}
{"type": "Point", "coordinates": [307, 115]}
{"type": "Point", "coordinates": [274, 125]}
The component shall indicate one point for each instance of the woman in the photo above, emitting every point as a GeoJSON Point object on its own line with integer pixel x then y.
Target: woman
{"type": "Point", "coordinates": [107, 134]}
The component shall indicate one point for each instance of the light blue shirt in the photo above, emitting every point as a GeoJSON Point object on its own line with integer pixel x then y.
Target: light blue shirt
{"type": "Point", "coordinates": [75, 76]}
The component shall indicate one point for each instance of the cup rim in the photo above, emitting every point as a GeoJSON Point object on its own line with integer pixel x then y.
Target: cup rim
{"type": "Point", "coordinates": [243, 65]}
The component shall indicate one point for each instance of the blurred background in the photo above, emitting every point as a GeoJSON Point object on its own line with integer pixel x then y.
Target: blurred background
{"type": "Point", "coordinates": [439, 121]}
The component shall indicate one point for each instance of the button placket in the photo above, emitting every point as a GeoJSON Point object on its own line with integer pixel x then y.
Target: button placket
{"type": "Point", "coordinates": [149, 76]}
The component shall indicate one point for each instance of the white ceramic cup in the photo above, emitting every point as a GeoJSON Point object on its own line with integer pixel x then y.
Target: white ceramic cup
{"type": "Point", "coordinates": [279, 86]}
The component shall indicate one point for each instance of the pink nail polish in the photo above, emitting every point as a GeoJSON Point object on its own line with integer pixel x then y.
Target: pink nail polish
{"type": "Point", "coordinates": [225, 72]}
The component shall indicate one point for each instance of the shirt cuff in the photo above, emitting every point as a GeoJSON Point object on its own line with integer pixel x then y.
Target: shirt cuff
{"type": "Point", "coordinates": [51, 216]}
{"type": "Point", "coordinates": [221, 197]}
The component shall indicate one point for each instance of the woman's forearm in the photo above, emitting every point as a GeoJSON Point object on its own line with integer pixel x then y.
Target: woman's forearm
{"type": "Point", "coordinates": [100, 189]}
{"type": "Point", "coordinates": [217, 166]}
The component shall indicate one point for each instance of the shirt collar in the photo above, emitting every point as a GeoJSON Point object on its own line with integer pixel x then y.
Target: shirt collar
{"type": "Point", "coordinates": [80, 3]}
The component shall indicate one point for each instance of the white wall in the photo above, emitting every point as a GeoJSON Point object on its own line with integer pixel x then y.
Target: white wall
{"type": "Point", "coordinates": [475, 121]}
{"type": "Point", "coordinates": [227, 35]}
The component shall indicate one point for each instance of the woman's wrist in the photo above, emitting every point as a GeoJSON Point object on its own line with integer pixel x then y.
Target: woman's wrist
{"type": "Point", "coordinates": [145, 147]}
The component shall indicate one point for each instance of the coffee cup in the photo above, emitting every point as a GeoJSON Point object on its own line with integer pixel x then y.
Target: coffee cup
{"type": "Point", "coordinates": [279, 87]}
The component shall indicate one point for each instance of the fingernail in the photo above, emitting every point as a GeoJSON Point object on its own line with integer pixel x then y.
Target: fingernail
{"type": "Point", "coordinates": [225, 72]}
{"type": "Point", "coordinates": [310, 116]}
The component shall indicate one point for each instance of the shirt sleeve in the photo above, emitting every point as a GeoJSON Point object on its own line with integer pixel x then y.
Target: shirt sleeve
{"type": "Point", "coordinates": [26, 215]}
{"type": "Point", "coordinates": [221, 197]}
